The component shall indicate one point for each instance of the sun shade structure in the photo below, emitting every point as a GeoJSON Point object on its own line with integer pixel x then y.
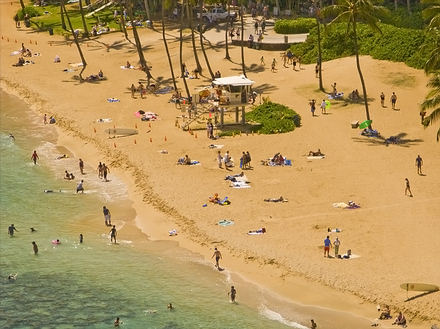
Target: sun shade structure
{"type": "Point", "coordinates": [237, 80]}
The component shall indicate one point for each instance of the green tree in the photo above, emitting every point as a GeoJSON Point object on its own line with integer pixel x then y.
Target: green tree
{"type": "Point", "coordinates": [432, 101]}
{"type": "Point", "coordinates": [75, 38]}
{"type": "Point", "coordinates": [352, 12]}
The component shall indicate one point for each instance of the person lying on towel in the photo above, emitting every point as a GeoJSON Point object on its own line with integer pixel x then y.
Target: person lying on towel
{"type": "Point", "coordinates": [280, 199]}
{"type": "Point", "coordinates": [259, 231]}
{"type": "Point", "coordinates": [316, 154]}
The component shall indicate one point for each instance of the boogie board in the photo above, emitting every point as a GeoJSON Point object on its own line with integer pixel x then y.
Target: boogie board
{"type": "Point", "coordinates": [419, 287]}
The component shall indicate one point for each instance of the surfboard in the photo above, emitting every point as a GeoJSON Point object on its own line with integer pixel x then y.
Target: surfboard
{"type": "Point", "coordinates": [419, 287]}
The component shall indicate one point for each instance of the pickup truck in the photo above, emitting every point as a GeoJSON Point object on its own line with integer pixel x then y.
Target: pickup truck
{"type": "Point", "coordinates": [217, 14]}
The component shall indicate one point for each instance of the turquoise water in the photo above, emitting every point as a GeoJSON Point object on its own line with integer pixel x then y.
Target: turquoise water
{"type": "Point", "coordinates": [87, 285]}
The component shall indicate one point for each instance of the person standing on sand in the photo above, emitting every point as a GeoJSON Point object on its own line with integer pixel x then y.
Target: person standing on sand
{"type": "Point", "coordinates": [312, 107]}
{"type": "Point", "coordinates": [393, 101]}
{"type": "Point", "coordinates": [217, 254]}
{"type": "Point", "coordinates": [337, 243]}
{"type": "Point", "coordinates": [273, 67]}
{"type": "Point", "coordinates": [219, 159]}
{"type": "Point", "coordinates": [81, 238]}
{"type": "Point", "coordinates": [232, 294]}
{"type": "Point", "coordinates": [313, 324]}
{"type": "Point", "coordinates": [408, 188]}
{"type": "Point", "coordinates": [382, 99]}
{"type": "Point", "coordinates": [419, 164]}
{"type": "Point", "coordinates": [34, 157]}
{"type": "Point", "coordinates": [81, 166]}
{"type": "Point", "coordinates": [327, 246]}
{"type": "Point", "coordinates": [99, 170]}
{"type": "Point", "coordinates": [45, 119]}
{"type": "Point", "coordinates": [133, 90]}
{"type": "Point", "coordinates": [113, 234]}
{"type": "Point", "coordinates": [11, 230]}
{"type": "Point", "coordinates": [107, 216]}
{"type": "Point", "coordinates": [35, 247]}
{"type": "Point", "coordinates": [262, 61]}
{"type": "Point", "coordinates": [105, 171]}
{"type": "Point", "coordinates": [79, 187]}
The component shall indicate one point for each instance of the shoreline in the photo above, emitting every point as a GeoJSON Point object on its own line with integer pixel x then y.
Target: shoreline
{"type": "Point", "coordinates": [312, 294]}
{"type": "Point", "coordinates": [274, 273]}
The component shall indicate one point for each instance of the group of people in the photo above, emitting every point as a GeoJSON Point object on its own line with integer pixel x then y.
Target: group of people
{"type": "Point", "coordinates": [290, 58]}
{"type": "Point", "coordinates": [245, 160]}
{"type": "Point", "coordinates": [393, 100]}
{"type": "Point", "coordinates": [278, 159]}
{"type": "Point", "coordinates": [210, 130]}
{"type": "Point", "coordinates": [226, 160]}
{"type": "Point", "coordinates": [103, 171]}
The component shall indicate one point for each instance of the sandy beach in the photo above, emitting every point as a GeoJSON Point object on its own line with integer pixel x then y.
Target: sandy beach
{"type": "Point", "coordinates": [395, 236]}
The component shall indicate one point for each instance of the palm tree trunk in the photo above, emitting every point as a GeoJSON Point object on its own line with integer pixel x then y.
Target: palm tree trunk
{"type": "Point", "coordinates": [181, 56]}
{"type": "Point", "coordinates": [142, 60]}
{"type": "Point", "coordinates": [227, 30]}
{"type": "Point", "coordinates": [22, 4]}
{"type": "Point", "coordinates": [395, 4]}
{"type": "Point", "coordinates": [83, 60]}
{"type": "Point", "coordinates": [193, 41]}
{"type": "Point", "coordinates": [147, 10]}
{"type": "Point", "coordinates": [321, 87]}
{"type": "Point", "coordinates": [86, 31]}
{"type": "Point", "coordinates": [166, 48]}
{"type": "Point", "coordinates": [408, 5]}
{"type": "Point", "coordinates": [243, 66]}
{"type": "Point", "coordinates": [201, 42]}
{"type": "Point", "coordinates": [62, 9]}
{"type": "Point", "coordinates": [358, 65]}
{"type": "Point", "coordinates": [124, 29]}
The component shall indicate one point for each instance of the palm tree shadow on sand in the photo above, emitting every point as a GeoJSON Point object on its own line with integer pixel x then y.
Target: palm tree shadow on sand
{"type": "Point", "coordinates": [395, 140]}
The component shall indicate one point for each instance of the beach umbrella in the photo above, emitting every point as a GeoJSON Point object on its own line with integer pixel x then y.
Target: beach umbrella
{"type": "Point", "coordinates": [365, 124]}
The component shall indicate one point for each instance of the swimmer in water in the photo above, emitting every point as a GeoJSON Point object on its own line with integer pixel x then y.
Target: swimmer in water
{"type": "Point", "coordinates": [12, 137]}
{"type": "Point", "coordinates": [11, 230]}
{"type": "Point", "coordinates": [113, 234]}
{"type": "Point", "coordinates": [35, 157]}
{"type": "Point", "coordinates": [33, 230]}
{"type": "Point", "coordinates": [314, 325]}
{"type": "Point", "coordinates": [12, 277]}
{"type": "Point", "coordinates": [117, 322]}
{"type": "Point", "coordinates": [170, 307]}
{"type": "Point", "coordinates": [35, 247]}
{"type": "Point", "coordinates": [81, 238]}
{"type": "Point", "coordinates": [232, 294]}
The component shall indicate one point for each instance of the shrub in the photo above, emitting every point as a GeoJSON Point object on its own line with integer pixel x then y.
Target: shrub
{"type": "Point", "coordinates": [274, 118]}
{"type": "Point", "coordinates": [30, 10]}
{"type": "Point", "coordinates": [291, 26]}
{"type": "Point", "coordinates": [394, 44]}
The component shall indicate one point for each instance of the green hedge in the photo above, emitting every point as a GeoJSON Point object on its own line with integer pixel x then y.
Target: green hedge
{"type": "Point", "coordinates": [274, 118]}
{"type": "Point", "coordinates": [394, 44]}
{"type": "Point", "coordinates": [30, 10]}
{"type": "Point", "coordinates": [291, 26]}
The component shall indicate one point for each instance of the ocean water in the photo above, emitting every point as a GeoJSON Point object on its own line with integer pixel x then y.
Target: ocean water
{"type": "Point", "coordinates": [87, 285]}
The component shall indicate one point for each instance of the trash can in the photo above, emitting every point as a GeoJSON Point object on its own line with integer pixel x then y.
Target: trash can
{"type": "Point", "coordinates": [286, 39]}
{"type": "Point", "coordinates": [50, 31]}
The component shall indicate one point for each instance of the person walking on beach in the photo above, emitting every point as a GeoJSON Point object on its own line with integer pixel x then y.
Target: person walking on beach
{"type": "Point", "coordinates": [45, 119]}
{"type": "Point", "coordinates": [337, 243]}
{"type": "Point", "coordinates": [273, 67]}
{"type": "Point", "coordinates": [382, 99]}
{"type": "Point", "coordinates": [312, 104]}
{"type": "Point", "coordinates": [323, 107]}
{"type": "Point", "coordinates": [393, 101]}
{"type": "Point", "coordinates": [133, 90]}
{"type": "Point", "coordinates": [232, 294]}
{"type": "Point", "coordinates": [99, 170]}
{"type": "Point", "coordinates": [107, 216]}
{"type": "Point", "coordinates": [81, 238]}
{"type": "Point", "coordinates": [327, 245]}
{"type": "Point", "coordinates": [217, 254]}
{"type": "Point", "coordinates": [11, 230]}
{"type": "Point", "coordinates": [35, 157]}
{"type": "Point", "coordinates": [313, 324]}
{"type": "Point", "coordinates": [35, 247]}
{"type": "Point", "coordinates": [80, 187]}
{"type": "Point", "coordinates": [408, 188]}
{"type": "Point", "coordinates": [262, 61]}
{"type": "Point", "coordinates": [219, 159]}
{"type": "Point", "coordinates": [105, 171]}
{"type": "Point", "coordinates": [419, 164]}
{"type": "Point", "coordinates": [113, 234]}
{"type": "Point", "coordinates": [81, 166]}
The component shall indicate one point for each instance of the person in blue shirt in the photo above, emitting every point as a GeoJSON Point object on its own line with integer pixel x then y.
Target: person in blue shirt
{"type": "Point", "coordinates": [327, 246]}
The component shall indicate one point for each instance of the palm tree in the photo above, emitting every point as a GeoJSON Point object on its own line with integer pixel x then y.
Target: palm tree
{"type": "Point", "coordinates": [432, 101]}
{"type": "Point", "coordinates": [142, 60]}
{"type": "Point", "coordinates": [22, 5]}
{"type": "Point", "coordinates": [124, 29]}
{"type": "Point", "coordinates": [201, 41]}
{"type": "Point", "coordinates": [189, 11]}
{"type": "Point", "coordinates": [63, 23]}
{"type": "Point", "coordinates": [181, 54]}
{"type": "Point", "coordinates": [318, 24]}
{"type": "Point", "coordinates": [86, 31]}
{"type": "Point", "coordinates": [166, 47]}
{"type": "Point", "coordinates": [353, 11]}
{"type": "Point", "coordinates": [243, 66]}
{"type": "Point", "coordinates": [75, 37]}
{"type": "Point", "coordinates": [227, 30]}
{"type": "Point", "coordinates": [147, 9]}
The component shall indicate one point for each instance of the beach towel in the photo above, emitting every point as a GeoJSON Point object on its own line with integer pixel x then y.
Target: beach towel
{"type": "Point", "coordinates": [104, 120]}
{"type": "Point", "coordinates": [68, 70]}
{"type": "Point", "coordinates": [164, 90]}
{"type": "Point", "coordinates": [193, 162]}
{"type": "Point", "coordinates": [240, 185]}
{"type": "Point", "coordinates": [15, 52]}
{"type": "Point", "coordinates": [370, 133]}
{"type": "Point", "coordinates": [113, 100]}
{"type": "Point", "coordinates": [270, 163]}
{"type": "Point", "coordinates": [224, 202]}
{"type": "Point", "coordinates": [149, 116]}
{"type": "Point", "coordinates": [76, 64]}
{"type": "Point", "coordinates": [315, 157]}
{"type": "Point", "coordinates": [335, 230]}
{"type": "Point", "coordinates": [215, 146]}
{"type": "Point", "coordinates": [340, 205]}
{"type": "Point", "coordinates": [225, 222]}
{"type": "Point", "coordinates": [281, 199]}
{"type": "Point", "coordinates": [172, 232]}
{"type": "Point", "coordinates": [127, 68]}
{"type": "Point", "coordinates": [352, 256]}
{"type": "Point", "coordinates": [337, 96]}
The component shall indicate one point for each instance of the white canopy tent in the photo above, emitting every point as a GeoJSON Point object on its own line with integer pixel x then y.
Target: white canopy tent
{"type": "Point", "coordinates": [236, 80]}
